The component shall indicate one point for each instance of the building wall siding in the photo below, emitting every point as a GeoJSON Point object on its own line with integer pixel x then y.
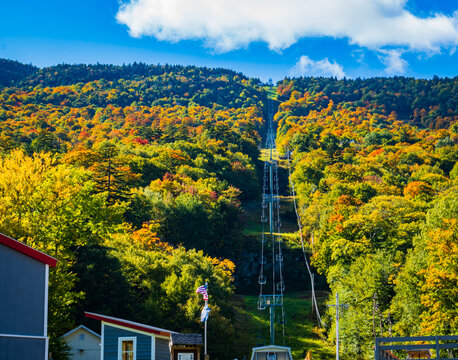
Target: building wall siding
{"type": "Point", "coordinates": [111, 336]}
{"type": "Point", "coordinates": [162, 349]}
{"type": "Point", "coordinates": [90, 345]}
{"type": "Point", "coordinates": [22, 289]}
{"type": "Point", "coordinates": [21, 349]}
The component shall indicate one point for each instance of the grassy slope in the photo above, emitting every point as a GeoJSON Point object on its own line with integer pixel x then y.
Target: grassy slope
{"type": "Point", "coordinates": [301, 333]}
{"type": "Point", "coordinates": [271, 92]}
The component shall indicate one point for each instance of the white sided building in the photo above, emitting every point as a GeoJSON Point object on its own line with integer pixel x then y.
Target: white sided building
{"type": "Point", "coordinates": [84, 343]}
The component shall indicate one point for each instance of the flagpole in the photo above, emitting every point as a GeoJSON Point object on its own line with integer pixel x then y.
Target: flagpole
{"type": "Point", "coordinates": [205, 336]}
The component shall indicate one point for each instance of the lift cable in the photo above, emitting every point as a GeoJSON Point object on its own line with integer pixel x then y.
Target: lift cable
{"type": "Point", "coordinates": [299, 224]}
{"type": "Point", "coordinates": [270, 201]}
{"type": "Point", "coordinates": [281, 284]}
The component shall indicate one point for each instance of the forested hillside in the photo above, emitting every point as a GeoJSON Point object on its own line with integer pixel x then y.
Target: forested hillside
{"type": "Point", "coordinates": [12, 71]}
{"type": "Point", "coordinates": [424, 103]}
{"type": "Point", "coordinates": [134, 177]}
{"type": "Point", "coordinates": [378, 200]}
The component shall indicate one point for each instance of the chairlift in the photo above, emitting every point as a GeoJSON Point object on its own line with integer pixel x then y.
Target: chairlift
{"type": "Point", "coordinates": [281, 286]}
{"type": "Point", "coordinates": [261, 304]}
{"type": "Point", "coordinates": [262, 280]}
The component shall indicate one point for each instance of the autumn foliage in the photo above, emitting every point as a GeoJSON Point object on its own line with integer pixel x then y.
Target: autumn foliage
{"type": "Point", "coordinates": [377, 192]}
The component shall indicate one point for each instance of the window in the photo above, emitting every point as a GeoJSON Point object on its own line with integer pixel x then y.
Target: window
{"type": "Point", "coordinates": [82, 337]}
{"type": "Point", "coordinates": [271, 356]}
{"type": "Point", "coordinates": [127, 348]}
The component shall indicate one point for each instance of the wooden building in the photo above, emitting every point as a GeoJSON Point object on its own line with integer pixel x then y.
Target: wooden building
{"type": "Point", "coordinates": [84, 343]}
{"type": "Point", "coordinates": [24, 274]}
{"type": "Point", "coordinates": [417, 347]}
{"type": "Point", "coordinates": [129, 340]}
{"type": "Point", "coordinates": [185, 346]}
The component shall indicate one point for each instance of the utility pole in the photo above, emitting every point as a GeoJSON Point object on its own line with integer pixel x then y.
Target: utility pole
{"type": "Point", "coordinates": [313, 299]}
{"type": "Point", "coordinates": [376, 307]}
{"type": "Point", "coordinates": [389, 320]}
{"type": "Point", "coordinates": [337, 306]}
{"type": "Point", "coordinates": [373, 314]}
{"type": "Point", "coordinates": [337, 326]}
{"type": "Point", "coordinates": [205, 336]}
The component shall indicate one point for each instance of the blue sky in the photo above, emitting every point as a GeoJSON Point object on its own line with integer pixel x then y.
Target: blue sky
{"type": "Point", "coordinates": [261, 38]}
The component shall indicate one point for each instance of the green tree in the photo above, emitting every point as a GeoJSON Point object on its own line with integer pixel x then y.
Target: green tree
{"type": "Point", "coordinates": [54, 209]}
{"type": "Point", "coordinates": [164, 281]}
{"type": "Point", "coordinates": [367, 276]}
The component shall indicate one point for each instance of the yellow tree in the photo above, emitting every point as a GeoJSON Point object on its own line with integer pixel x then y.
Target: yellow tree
{"type": "Point", "coordinates": [54, 209]}
{"type": "Point", "coordinates": [440, 284]}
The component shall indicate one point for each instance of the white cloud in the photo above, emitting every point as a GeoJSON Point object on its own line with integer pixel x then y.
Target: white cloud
{"type": "Point", "coordinates": [307, 67]}
{"type": "Point", "coordinates": [358, 55]}
{"type": "Point", "coordinates": [395, 65]}
{"type": "Point", "coordinates": [226, 25]}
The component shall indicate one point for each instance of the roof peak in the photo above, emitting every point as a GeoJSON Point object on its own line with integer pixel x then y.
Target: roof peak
{"type": "Point", "coordinates": [27, 250]}
{"type": "Point", "coordinates": [81, 327]}
{"type": "Point", "coordinates": [129, 324]}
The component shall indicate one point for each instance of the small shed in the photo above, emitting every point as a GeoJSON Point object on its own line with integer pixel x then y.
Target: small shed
{"type": "Point", "coordinates": [24, 274]}
{"type": "Point", "coordinates": [271, 352]}
{"type": "Point", "coordinates": [84, 343]}
{"type": "Point", "coordinates": [185, 346]}
{"type": "Point", "coordinates": [128, 340]}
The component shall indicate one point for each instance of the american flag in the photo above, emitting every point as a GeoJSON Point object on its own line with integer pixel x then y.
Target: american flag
{"type": "Point", "coordinates": [202, 290]}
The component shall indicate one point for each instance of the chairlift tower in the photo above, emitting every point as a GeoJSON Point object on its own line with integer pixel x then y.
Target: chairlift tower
{"type": "Point", "coordinates": [271, 201]}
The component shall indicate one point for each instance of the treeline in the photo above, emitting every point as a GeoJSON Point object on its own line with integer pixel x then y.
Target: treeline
{"type": "Point", "coordinates": [134, 185]}
{"type": "Point", "coordinates": [126, 85]}
{"type": "Point", "coordinates": [13, 71]}
{"type": "Point", "coordinates": [420, 102]}
{"type": "Point", "coordinates": [379, 204]}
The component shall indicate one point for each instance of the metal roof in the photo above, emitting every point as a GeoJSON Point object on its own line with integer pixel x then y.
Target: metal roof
{"type": "Point", "coordinates": [81, 327]}
{"type": "Point", "coordinates": [271, 349]}
{"type": "Point", "coordinates": [186, 339]}
{"type": "Point", "coordinates": [27, 250]}
{"type": "Point", "coordinates": [129, 324]}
